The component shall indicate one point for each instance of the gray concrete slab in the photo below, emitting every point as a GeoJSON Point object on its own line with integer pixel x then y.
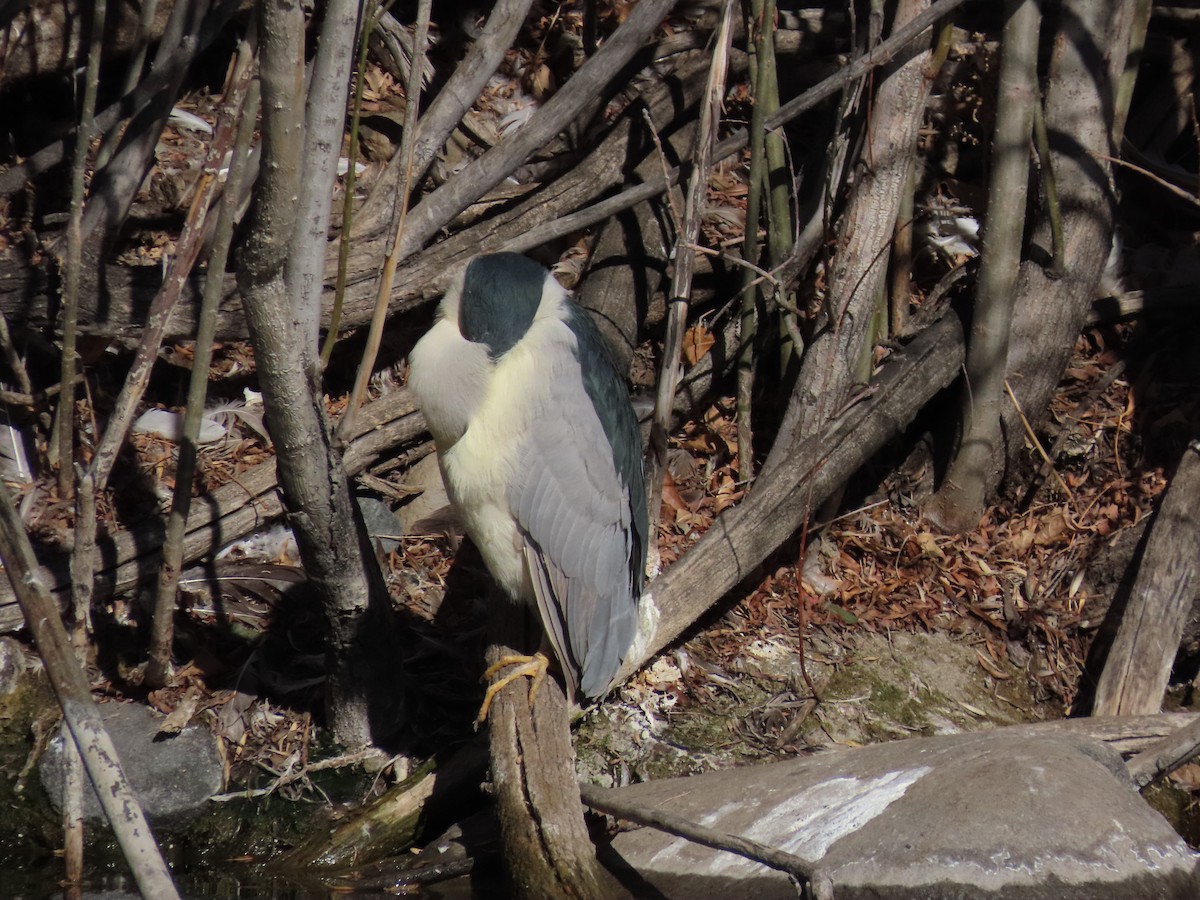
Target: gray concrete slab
{"type": "Point", "coordinates": [986, 815]}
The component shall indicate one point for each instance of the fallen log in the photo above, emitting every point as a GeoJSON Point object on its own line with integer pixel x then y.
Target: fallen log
{"type": "Point", "coordinates": [391, 822]}
{"type": "Point", "coordinates": [812, 468]}
{"type": "Point", "coordinates": [228, 513]}
{"type": "Point", "coordinates": [1139, 662]}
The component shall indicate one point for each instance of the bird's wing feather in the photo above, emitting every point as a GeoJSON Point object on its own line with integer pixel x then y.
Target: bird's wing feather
{"type": "Point", "coordinates": [575, 520]}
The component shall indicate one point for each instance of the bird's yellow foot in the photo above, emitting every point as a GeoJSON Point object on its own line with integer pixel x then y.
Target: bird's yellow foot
{"type": "Point", "coordinates": [532, 667]}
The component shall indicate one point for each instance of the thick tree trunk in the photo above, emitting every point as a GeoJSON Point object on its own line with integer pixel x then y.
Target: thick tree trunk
{"type": "Point", "coordinates": [832, 361]}
{"type": "Point", "coordinates": [547, 850]}
{"type": "Point", "coordinates": [316, 490]}
{"type": "Point", "coordinates": [1088, 58]}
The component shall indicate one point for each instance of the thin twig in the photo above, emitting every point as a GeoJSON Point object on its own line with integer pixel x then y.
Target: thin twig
{"type": "Point", "coordinates": [781, 226]}
{"type": "Point", "coordinates": [747, 361]}
{"type": "Point", "coordinates": [1174, 189]}
{"type": "Point", "coordinates": [20, 398]}
{"type": "Point", "coordinates": [681, 284]}
{"type": "Point", "coordinates": [672, 204]}
{"type": "Point", "coordinates": [291, 774]}
{"type": "Point", "coordinates": [412, 103]}
{"type": "Point", "coordinates": [763, 275]}
{"type": "Point", "coordinates": [902, 257]}
{"type": "Point", "coordinates": [1036, 443]}
{"type": "Point", "coordinates": [64, 443]}
{"type": "Point", "coordinates": [100, 757]}
{"type": "Point", "coordinates": [238, 114]}
{"type": "Point", "coordinates": [74, 783]}
{"type": "Point", "coordinates": [1114, 372]}
{"type": "Point", "coordinates": [780, 860]}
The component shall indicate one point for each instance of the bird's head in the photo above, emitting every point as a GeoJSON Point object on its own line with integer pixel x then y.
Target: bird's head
{"type": "Point", "coordinates": [496, 300]}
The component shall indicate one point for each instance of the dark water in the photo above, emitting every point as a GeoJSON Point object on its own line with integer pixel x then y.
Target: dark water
{"type": "Point", "coordinates": [237, 883]}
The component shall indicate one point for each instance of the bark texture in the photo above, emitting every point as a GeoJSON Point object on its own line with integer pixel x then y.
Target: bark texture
{"type": "Point", "coordinates": [314, 480]}
{"type": "Point", "coordinates": [832, 360]}
{"type": "Point", "coordinates": [547, 850]}
{"type": "Point", "coordinates": [959, 503]}
{"type": "Point", "coordinates": [1087, 60]}
{"type": "Point", "coordinates": [1140, 659]}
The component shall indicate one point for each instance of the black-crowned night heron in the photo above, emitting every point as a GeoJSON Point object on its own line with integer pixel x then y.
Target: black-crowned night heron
{"type": "Point", "coordinates": [540, 452]}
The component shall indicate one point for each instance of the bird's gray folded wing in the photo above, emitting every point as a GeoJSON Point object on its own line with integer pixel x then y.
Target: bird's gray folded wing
{"type": "Point", "coordinates": [574, 516]}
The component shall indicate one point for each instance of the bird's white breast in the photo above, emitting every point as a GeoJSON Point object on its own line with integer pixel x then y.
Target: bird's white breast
{"type": "Point", "coordinates": [479, 412]}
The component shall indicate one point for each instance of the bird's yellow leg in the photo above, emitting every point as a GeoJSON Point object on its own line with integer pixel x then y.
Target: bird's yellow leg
{"type": "Point", "coordinates": [532, 667]}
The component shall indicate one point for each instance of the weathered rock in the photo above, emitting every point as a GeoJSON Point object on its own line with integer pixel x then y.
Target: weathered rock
{"type": "Point", "coordinates": [985, 815]}
{"type": "Point", "coordinates": [383, 525]}
{"type": "Point", "coordinates": [172, 775]}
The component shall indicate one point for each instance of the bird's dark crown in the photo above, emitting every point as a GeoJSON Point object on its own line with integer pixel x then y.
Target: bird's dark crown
{"type": "Point", "coordinates": [500, 295]}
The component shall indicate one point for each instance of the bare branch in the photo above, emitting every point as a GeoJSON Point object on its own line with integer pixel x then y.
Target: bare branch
{"type": "Point", "coordinates": [440, 207]}
{"type": "Point", "coordinates": [450, 105]}
{"type": "Point", "coordinates": [412, 106]}
{"type": "Point", "coordinates": [100, 757]}
{"type": "Point", "coordinates": [324, 124]}
{"type": "Point", "coordinates": [598, 799]}
{"type": "Point", "coordinates": [238, 112]}
{"type": "Point", "coordinates": [685, 262]}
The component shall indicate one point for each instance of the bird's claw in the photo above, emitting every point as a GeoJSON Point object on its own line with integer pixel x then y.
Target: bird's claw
{"type": "Point", "coordinates": [532, 667]}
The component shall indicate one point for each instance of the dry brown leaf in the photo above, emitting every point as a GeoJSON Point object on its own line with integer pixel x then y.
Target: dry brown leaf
{"type": "Point", "coordinates": [929, 546]}
{"type": "Point", "coordinates": [1187, 776]}
{"type": "Point", "coordinates": [1053, 526]}
{"type": "Point", "coordinates": [1022, 540]}
{"type": "Point", "coordinates": [182, 714]}
{"type": "Point", "coordinates": [539, 81]}
{"type": "Point", "coordinates": [697, 341]}
{"type": "Point", "coordinates": [376, 83]}
{"type": "Point", "coordinates": [671, 496]}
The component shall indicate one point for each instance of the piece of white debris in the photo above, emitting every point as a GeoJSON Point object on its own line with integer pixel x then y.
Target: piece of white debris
{"type": "Point", "coordinates": [181, 118]}
{"type": "Point", "coordinates": [169, 425]}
